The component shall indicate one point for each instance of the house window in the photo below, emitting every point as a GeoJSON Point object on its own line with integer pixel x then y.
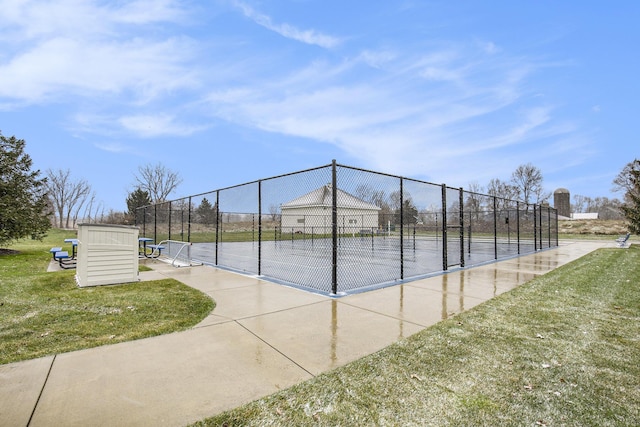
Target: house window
{"type": "Point", "coordinates": [300, 220]}
{"type": "Point", "coordinates": [353, 221]}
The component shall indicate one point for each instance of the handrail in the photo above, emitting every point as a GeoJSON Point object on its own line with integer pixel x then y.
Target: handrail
{"type": "Point", "coordinates": [184, 244]}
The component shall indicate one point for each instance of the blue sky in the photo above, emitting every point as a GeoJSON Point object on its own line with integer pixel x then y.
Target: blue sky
{"type": "Point", "coordinates": [226, 92]}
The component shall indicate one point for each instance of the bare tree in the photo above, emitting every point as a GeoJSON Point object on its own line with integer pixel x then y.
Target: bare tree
{"type": "Point", "coordinates": [377, 198]}
{"type": "Point", "coordinates": [473, 202]}
{"type": "Point", "coordinates": [580, 203]}
{"type": "Point", "coordinates": [67, 196]}
{"type": "Point", "coordinates": [504, 193]}
{"type": "Point", "coordinates": [605, 208]}
{"type": "Point", "coordinates": [527, 179]}
{"type": "Point", "coordinates": [158, 181]}
{"type": "Point", "coordinates": [273, 212]}
{"type": "Point", "coordinates": [623, 182]}
{"type": "Point", "coordinates": [92, 209]}
{"type": "Point", "coordinates": [502, 189]}
{"type": "Point", "coordinates": [371, 195]}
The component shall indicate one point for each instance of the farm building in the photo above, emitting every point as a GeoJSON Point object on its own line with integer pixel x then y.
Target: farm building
{"type": "Point", "coordinates": [311, 213]}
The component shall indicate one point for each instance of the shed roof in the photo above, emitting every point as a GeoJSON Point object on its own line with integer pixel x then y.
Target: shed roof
{"type": "Point", "coordinates": [322, 197]}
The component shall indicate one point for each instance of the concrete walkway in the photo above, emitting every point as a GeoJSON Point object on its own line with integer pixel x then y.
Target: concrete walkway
{"type": "Point", "coordinates": [261, 337]}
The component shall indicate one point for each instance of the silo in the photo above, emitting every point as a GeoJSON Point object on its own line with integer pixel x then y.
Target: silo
{"type": "Point", "coordinates": [562, 202]}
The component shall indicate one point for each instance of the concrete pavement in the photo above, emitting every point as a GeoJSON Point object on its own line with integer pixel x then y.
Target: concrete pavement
{"type": "Point", "coordinates": [260, 338]}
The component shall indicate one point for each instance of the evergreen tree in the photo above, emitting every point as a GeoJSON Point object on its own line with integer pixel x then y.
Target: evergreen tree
{"type": "Point", "coordinates": [137, 199]}
{"type": "Point", "coordinates": [23, 199]}
{"type": "Point", "coordinates": [409, 213]}
{"type": "Point", "coordinates": [206, 213]}
{"type": "Point", "coordinates": [631, 207]}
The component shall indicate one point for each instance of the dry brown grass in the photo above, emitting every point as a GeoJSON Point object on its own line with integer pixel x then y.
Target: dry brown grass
{"type": "Point", "coordinates": [594, 227]}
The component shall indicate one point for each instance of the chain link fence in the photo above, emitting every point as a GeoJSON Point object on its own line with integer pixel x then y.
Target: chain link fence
{"type": "Point", "coordinates": [374, 230]}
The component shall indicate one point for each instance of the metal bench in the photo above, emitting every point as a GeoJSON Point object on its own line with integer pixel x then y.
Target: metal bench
{"type": "Point", "coordinates": [622, 240]}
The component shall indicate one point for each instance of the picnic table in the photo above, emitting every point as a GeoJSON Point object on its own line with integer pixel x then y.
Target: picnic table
{"type": "Point", "coordinates": [142, 250]}
{"type": "Point", "coordinates": [155, 249]}
{"type": "Point", "coordinates": [62, 257]}
{"type": "Point", "coordinates": [74, 246]}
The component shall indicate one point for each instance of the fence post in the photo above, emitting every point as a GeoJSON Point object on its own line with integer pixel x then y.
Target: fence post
{"type": "Point", "coordinates": [540, 212]}
{"type": "Point", "coordinates": [170, 215]}
{"type": "Point", "coordinates": [217, 223]}
{"type": "Point", "coordinates": [557, 230]}
{"type": "Point", "coordinates": [401, 230]}
{"type": "Point", "coordinates": [259, 228]}
{"type": "Point", "coordinates": [189, 222]}
{"type": "Point", "coordinates": [445, 262]}
{"type": "Point", "coordinates": [155, 222]}
{"type": "Point", "coordinates": [535, 228]}
{"type": "Point", "coordinates": [518, 224]}
{"type": "Point", "coordinates": [461, 202]}
{"type": "Point", "coordinates": [495, 227]}
{"type": "Point", "coordinates": [334, 228]}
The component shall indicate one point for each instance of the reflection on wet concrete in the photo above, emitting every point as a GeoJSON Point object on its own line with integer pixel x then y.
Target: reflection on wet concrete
{"type": "Point", "coordinates": [334, 332]}
{"type": "Point", "coordinates": [260, 338]}
{"type": "Point", "coordinates": [328, 334]}
{"type": "Point", "coordinates": [427, 301]}
{"type": "Point", "coordinates": [319, 333]}
{"type": "Point", "coordinates": [358, 324]}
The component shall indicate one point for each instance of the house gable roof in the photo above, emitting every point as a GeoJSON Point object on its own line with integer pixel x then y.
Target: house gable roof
{"type": "Point", "coordinates": [322, 197]}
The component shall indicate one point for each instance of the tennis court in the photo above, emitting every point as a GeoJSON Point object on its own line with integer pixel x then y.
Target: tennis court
{"type": "Point", "coordinates": [336, 229]}
{"type": "Point", "coordinates": [363, 263]}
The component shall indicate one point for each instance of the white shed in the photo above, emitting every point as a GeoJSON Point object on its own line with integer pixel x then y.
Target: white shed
{"type": "Point", "coordinates": [589, 215]}
{"type": "Point", "coordinates": [107, 254]}
{"type": "Point", "coordinates": [311, 213]}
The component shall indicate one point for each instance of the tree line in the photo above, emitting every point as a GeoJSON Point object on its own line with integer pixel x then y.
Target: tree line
{"type": "Point", "coordinates": [30, 203]}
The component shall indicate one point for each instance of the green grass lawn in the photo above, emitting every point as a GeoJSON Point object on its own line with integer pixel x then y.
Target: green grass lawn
{"type": "Point", "coordinates": [561, 350]}
{"type": "Point", "coordinates": [44, 313]}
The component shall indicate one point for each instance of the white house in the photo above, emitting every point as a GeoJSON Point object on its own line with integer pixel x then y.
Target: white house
{"type": "Point", "coordinates": [311, 213]}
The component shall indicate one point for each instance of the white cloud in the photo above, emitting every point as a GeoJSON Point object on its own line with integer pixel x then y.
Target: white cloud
{"type": "Point", "coordinates": [157, 125]}
{"type": "Point", "coordinates": [311, 37]}
{"type": "Point", "coordinates": [489, 47]}
{"type": "Point", "coordinates": [63, 66]}
{"type": "Point", "coordinates": [56, 49]}
{"type": "Point", "coordinates": [418, 114]}
{"type": "Point", "coordinates": [113, 147]}
{"type": "Point", "coordinates": [415, 108]}
{"type": "Point", "coordinates": [34, 19]}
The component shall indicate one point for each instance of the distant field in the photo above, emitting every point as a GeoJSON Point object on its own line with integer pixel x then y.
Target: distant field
{"type": "Point", "coordinates": [247, 232]}
{"type": "Point", "coordinates": [591, 228]}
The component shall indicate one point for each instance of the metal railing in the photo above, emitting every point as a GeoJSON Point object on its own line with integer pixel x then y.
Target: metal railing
{"type": "Point", "coordinates": [375, 229]}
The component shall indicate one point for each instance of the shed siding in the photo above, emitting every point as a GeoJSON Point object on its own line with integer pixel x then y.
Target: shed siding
{"type": "Point", "coordinates": [107, 255]}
